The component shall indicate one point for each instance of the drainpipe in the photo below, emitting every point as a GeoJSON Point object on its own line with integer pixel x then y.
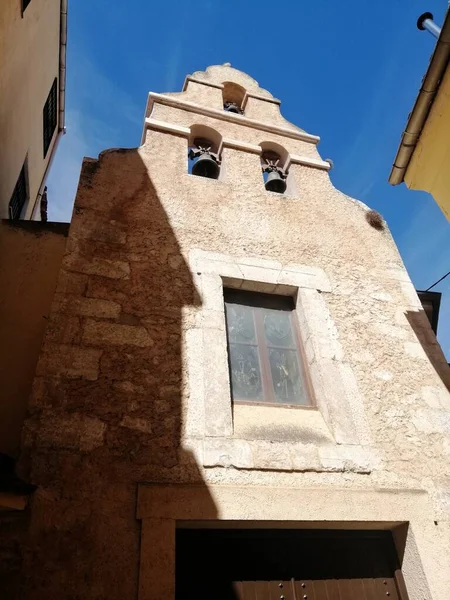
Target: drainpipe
{"type": "Point", "coordinates": [62, 101]}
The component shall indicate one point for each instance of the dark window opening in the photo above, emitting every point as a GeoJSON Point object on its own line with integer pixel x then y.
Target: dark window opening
{"type": "Point", "coordinates": [19, 196]}
{"type": "Point", "coordinates": [264, 350]}
{"type": "Point", "coordinates": [50, 116]}
{"type": "Point", "coordinates": [204, 161]}
{"type": "Point", "coordinates": [25, 3]}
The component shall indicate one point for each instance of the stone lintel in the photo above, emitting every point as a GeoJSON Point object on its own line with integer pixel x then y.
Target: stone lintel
{"type": "Point", "coordinates": [253, 503]}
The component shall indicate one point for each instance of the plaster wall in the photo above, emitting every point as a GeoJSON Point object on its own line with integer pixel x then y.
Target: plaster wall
{"type": "Point", "coordinates": [132, 381]}
{"type": "Point", "coordinates": [29, 62]}
{"type": "Point", "coordinates": [30, 259]}
{"type": "Point", "coordinates": [428, 167]}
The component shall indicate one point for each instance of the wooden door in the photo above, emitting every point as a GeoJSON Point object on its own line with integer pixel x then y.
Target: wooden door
{"type": "Point", "coordinates": [286, 565]}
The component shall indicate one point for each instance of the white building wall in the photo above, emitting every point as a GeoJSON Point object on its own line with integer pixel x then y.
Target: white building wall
{"type": "Point", "coordinates": [29, 63]}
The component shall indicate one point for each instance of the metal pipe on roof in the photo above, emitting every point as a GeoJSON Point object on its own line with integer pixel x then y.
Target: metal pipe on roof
{"type": "Point", "coordinates": [425, 21]}
{"type": "Point", "coordinates": [416, 120]}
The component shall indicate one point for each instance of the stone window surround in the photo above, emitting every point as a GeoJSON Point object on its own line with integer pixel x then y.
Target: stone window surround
{"type": "Point", "coordinates": [209, 412]}
{"type": "Point", "coordinates": [163, 508]}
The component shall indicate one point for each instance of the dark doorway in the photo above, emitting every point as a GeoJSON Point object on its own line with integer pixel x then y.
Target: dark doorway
{"type": "Point", "coordinates": [261, 564]}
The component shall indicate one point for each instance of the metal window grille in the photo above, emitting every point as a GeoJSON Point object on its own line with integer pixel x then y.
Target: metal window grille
{"type": "Point", "coordinates": [264, 350]}
{"type": "Point", "coordinates": [25, 3]}
{"type": "Point", "coordinates": [19, 196]}
{"type": "Point", "coordinates": [50, 115]}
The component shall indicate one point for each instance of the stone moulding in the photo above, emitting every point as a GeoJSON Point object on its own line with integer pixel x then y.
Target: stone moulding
{"type": "Point", "coordinates": [220, 86]}
{"type": "Point", "coordinates": [222, 115]}
{"type": "Point", "coordinates": [296, 159]}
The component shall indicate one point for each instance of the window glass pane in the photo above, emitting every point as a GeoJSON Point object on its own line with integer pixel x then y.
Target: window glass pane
{"type": "Point", "coordinates": [264, 354]}
{"type": "Point", "coordinates": [245, 372]}
{"type": "Point", "coordinates": [286, 377]}
{"type": "Point", "coordinates": [278, 328]}
{"type": "Point", "coordinates": [240, 324]}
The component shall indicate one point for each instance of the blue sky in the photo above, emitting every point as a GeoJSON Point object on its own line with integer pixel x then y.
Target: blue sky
{"type": "Point", "coordinates": [348, 71]}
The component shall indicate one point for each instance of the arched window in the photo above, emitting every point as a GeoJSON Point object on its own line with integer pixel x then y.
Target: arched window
{"type": "Point", "coordinates": [204, 152]}
{"type": "Point", "coordinates": [274, 159]}
{"type": "Point", "coordinates": [233, 97]}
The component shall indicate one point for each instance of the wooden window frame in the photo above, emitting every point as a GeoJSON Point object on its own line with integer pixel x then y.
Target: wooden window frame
{"type": "Point", "coordinates": [286, 303]}
{"type": "Point", "coordinates": [50, 116]}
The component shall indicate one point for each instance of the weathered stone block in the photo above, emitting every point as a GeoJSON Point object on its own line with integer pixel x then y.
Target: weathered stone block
{"type": "Point", "coordinates": [71, 283]}
{"type": "Point", "coordinates": [217, 399]}
{"type": "Point", "coordinates": [69, 361]}
{"type": "Point", "coordinates": [225, 269]}
{"type": "Point", "coordinates": [63, 329]}
{"type": "Point", "coordinates": [213, 319]}
{"type": "Point", "coordinates": [98, 333]}
{"type": "Point", "coordinates": [113, 269]}
{"type": "Point", "coordinates": [268, 455]}
{"type": "Point", "coordinates": [331, 397]}
{"type": "Point", "coordinates": [212, 291]}
{"type": "Point", "coordinates": [344, 458]}
{"type": "Point", "coordinates": [71, 431]}
{"type": "Point", "coordinates": [102, 230]}
{"type": "Point", "coordinates": [219, 452]}
{"type": "Point", "coordinates": [264, 263]}
{"type": "Point", "coordinates": [304, 457]}
{"type": "Point", "coordinates": [259, 274]}
{"type": "Point", "coordinates": [137, 424]}
{"type": "Point", "coordinates": [305, 277]}
{"type": "Point", "coordinates": [88, 307]}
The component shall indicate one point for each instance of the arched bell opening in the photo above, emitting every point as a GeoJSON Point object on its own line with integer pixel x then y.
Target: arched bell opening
{"type": "Point", "coordinates": [274, 160]}
{"type": "Point", "coordinates": [204, 152]}
{"type": "Point", "coordinates": [233, 98]}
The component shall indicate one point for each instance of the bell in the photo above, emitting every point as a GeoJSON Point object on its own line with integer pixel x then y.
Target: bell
{"type": "Point", "coordinates": [206, 166]}
{"type": "Point", "coordinates": [232, 107]}
{"type": "Point", "coordinates": [275, 182]}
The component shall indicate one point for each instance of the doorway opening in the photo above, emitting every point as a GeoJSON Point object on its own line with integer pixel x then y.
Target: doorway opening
{"type": "Point", "coordinates": [286, 564]}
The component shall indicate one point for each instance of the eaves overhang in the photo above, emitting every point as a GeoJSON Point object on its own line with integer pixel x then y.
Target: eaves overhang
{"type": "Point", "coordinates": [422, 106]}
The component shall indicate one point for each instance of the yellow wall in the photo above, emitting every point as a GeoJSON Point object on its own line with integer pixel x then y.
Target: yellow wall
{"type": "Point", "coordinates": [429, 168]}
{"type": "Point", "coordinates": [30, 258]}
{"type": "Point", "coordinates": [29, 62]}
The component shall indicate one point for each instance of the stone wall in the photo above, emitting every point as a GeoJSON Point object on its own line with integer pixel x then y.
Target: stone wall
{"type": "Point", "coordinates": [131, 385]}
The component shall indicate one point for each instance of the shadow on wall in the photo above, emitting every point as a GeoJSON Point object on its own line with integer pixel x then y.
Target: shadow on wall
{"type": "Point", "coordinates": [427, 338]}
{"type": "Point", "coordinates": [106, 409]}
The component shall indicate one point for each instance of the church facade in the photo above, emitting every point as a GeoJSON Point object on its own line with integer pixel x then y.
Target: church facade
{"type": "Point", "coordinates": [238, 395]}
